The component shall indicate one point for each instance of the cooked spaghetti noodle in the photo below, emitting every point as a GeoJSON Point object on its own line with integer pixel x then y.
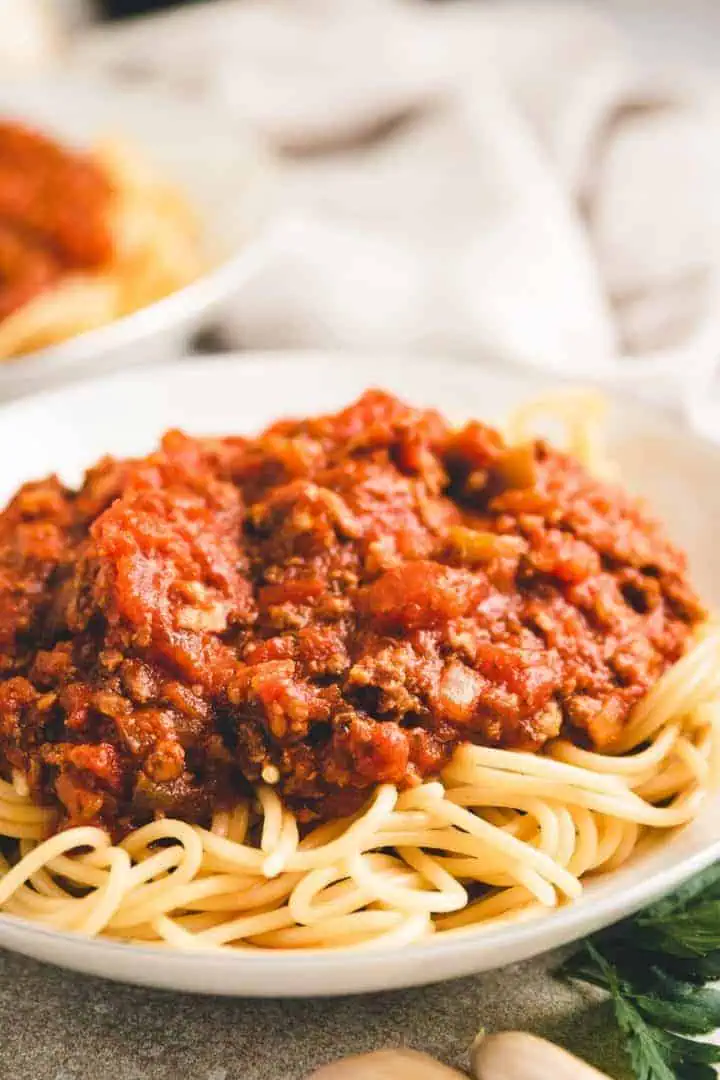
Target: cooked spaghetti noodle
{"type": "Point", "coordinates": [501, 834]}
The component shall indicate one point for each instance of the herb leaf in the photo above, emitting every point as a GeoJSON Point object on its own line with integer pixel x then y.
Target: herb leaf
{"type": "Point", "coordinates": [696, 1072]}
{"type": "Point", "coordinates": [654, 967]}
{"type": "Point", "coordinates": [689, 1051]}
{"type": "Point", "coordinates": [695, 1013]}
{"type": "Point", "coordinates": [693, 932]}
{"type": "Point", "coordinates": [649, 1058]}
{"type": "Point", "coordinates": [703, 886]}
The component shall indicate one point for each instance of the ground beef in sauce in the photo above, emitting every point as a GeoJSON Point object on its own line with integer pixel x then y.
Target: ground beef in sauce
{"type": "Point", "coordinates": [54, 206]}
{"type": "Point", "coordinates": [344, 598]}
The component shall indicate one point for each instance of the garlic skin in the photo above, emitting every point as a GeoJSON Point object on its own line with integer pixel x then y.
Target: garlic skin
{"type": "Point", "coordinates": [516, 1055]}
{"type": "Point", "coordinates": [387, 1065]}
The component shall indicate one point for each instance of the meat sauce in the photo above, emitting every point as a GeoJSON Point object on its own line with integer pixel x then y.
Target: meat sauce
{"type": "Point", "coordinates": [335, 603]}
{"type": "Point", "coordinates": [54, 207]}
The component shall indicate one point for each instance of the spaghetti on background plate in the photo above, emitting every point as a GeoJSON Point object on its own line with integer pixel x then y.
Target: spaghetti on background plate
{"type": "Point", "coordinates": [359, 679]}
{"type": "Point", "coordinates": [85, 238]}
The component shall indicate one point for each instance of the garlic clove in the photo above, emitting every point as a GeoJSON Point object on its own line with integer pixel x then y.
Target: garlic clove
{"type": "Point", "coordinates": [387, 1065]}
{"type": "Point", "coordinates": [516, 1055]}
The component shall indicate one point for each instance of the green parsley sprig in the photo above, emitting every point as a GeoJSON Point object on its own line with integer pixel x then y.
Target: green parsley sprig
{"type": "Point", "coordinates": [655, 967]}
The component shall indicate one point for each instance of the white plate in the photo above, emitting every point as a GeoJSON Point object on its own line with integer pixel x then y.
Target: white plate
{"type": "Point", "coordinates": [216, 162]}
{"type": "Point", "coordinates": [68, 429]}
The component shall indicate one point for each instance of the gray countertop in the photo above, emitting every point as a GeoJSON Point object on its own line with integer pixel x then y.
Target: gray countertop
{"type": "Point", "coordinates": [56, 1025]}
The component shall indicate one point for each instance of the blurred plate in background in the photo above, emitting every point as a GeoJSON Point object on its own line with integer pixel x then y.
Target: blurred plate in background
{"type": "Point", "coordinates": [218, 164]}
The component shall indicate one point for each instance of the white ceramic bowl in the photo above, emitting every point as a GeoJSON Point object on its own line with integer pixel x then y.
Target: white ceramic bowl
{"type": "Point", "coordinates": [228, 178]}
{"type": "Point", "coordinates": [66, 430]}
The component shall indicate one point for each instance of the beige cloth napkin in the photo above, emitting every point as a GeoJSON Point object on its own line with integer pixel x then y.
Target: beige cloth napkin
{"type": "Point", "coordinates": [33, 33]}
{"type": "Point", "coordinates": [496, 180]}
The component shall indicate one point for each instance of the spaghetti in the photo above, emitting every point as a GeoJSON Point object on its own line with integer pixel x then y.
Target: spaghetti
{"type": "Point", "coordinates": [502, 834]}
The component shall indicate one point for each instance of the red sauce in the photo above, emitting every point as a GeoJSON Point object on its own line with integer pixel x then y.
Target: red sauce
{"type": "Point", "coordinates": [53, 214]}
{"type": "Point", "coordinates": [345, 598]}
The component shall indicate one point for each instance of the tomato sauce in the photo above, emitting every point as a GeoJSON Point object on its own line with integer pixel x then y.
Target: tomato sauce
{"type": "Point", "coordinates": [54, 214]}
{"type": "Point", "coordinates": [337, 602]}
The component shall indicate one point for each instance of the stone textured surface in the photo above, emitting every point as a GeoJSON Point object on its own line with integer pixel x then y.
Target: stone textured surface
{"type": "Point", "coordinates": [55, 1025]}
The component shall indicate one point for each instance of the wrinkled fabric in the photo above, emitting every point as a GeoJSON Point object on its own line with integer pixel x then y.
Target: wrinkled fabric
{"type": "Point", "coordinates": [502, 181]}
